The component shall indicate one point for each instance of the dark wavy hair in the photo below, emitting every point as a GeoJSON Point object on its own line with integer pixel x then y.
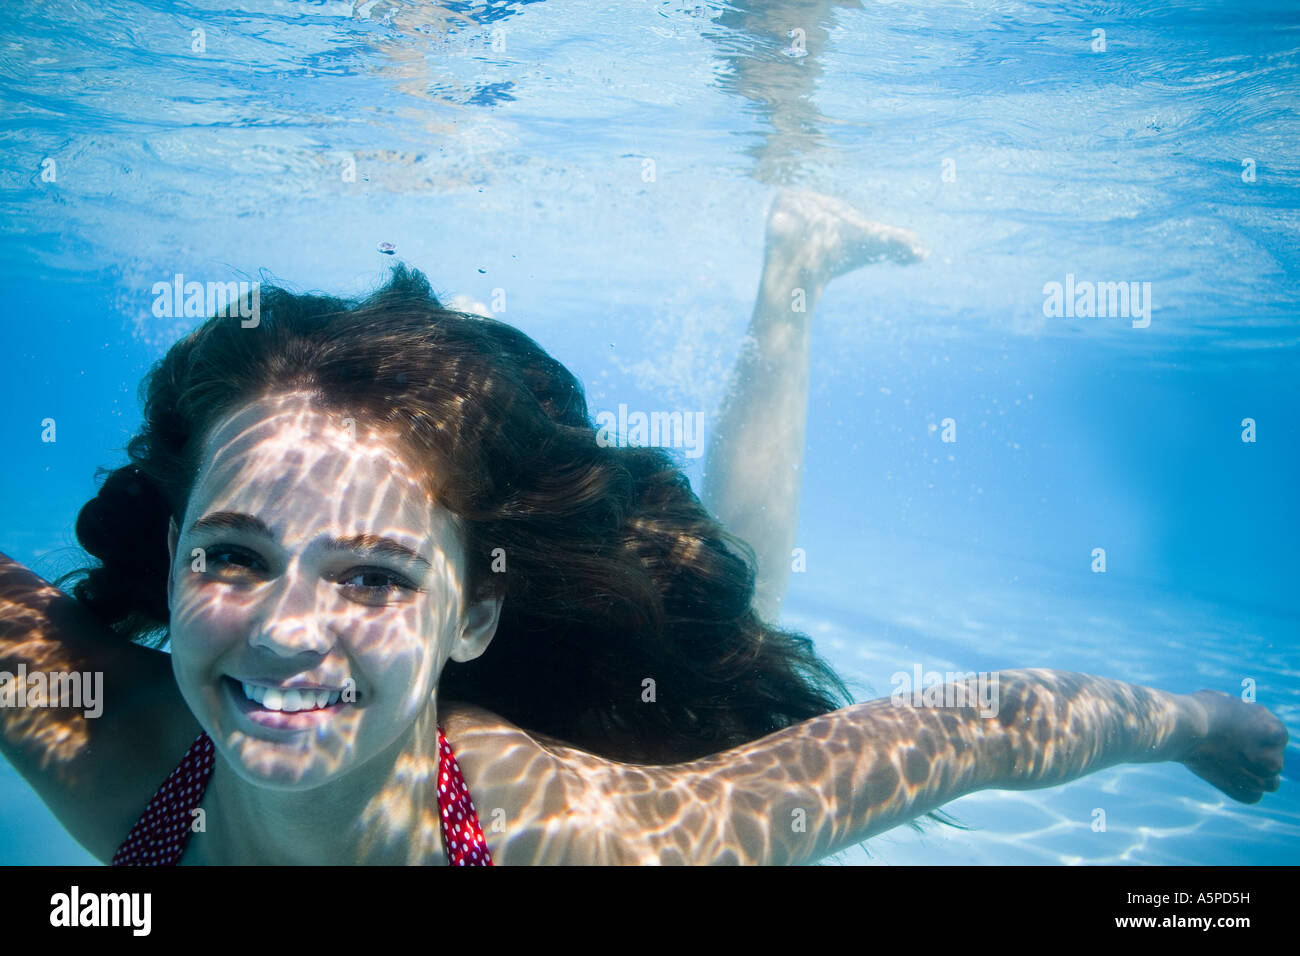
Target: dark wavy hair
{"type": "Point", "coordinates": [615, 571]}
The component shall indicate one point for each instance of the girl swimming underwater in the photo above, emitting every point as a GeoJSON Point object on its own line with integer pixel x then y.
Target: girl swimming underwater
{"type": "Point", "coordinates": [387, 551]}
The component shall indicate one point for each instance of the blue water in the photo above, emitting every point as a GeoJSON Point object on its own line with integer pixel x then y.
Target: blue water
{"type": "Point", "coordinates": [1018, 152]}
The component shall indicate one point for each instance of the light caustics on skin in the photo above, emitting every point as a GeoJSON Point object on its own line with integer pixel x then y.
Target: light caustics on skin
{"type": "Point", "coordinates": [54, 736]}
{"type": "Point", "coordinates": [822, 785]}
{"type": "Point", "coordinates": [324, 562]}
{"type": "Point", "coordinates": [72, 761]}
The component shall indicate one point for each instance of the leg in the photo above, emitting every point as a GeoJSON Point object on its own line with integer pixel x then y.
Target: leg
{"type": "Point", "coordinates": [752, 476]}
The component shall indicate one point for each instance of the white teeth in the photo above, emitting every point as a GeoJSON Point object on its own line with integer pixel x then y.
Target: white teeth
{"type": "Point", "coordinates": [292, 700]}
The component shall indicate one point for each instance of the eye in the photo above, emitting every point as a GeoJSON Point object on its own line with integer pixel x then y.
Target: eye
{"type": "Point", "coordinates": [228, 560]}
{"type": "Point", "coordinates": [370, 585]}
{"type": "Point", "coordinates": [376, 583]}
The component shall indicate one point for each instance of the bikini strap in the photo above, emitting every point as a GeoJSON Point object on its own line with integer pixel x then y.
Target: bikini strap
{"type": "Point", "coordinates": [160, 835]}
{"type": "Point", "coordinates": [462, 837]}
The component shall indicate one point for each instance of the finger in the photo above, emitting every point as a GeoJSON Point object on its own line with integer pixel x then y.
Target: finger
{"type": "Point", "coordinates": [1263, 763]}
{"type": "Point", "coordinates": [1275, 734]}
{"type": "Point", "coordinates": [1242, 795]}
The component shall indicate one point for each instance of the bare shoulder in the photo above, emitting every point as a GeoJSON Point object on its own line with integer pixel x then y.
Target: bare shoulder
{"type": "Point", "coordinates": [542, 801]}
{"type": "Point", "coordinates": [480, 732]}
{"type": "Point", "coordinates": [547, 802]}
{"type": "Point", "coordinates": [501, 759]}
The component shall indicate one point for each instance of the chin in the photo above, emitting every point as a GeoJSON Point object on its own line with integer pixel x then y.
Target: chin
{"type": "Point", "coordinates": [284, 765]}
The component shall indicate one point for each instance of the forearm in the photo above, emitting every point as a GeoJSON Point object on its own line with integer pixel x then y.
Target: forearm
{"type": "Point", "coordinates": [94, 721]}
{"type": "Point", "coordinates": [827, 783]}
{"type": "Point", "coordinates": [39, 635]}
{"type": "Point", "coordinates": [46, 639]}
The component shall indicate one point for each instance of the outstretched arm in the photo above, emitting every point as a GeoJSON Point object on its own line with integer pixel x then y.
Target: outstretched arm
{"type": "Point", "coordinates": [827, 783]}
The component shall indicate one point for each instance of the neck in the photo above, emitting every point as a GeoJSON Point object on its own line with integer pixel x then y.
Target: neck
{"type": "Point", "coordinates": [383, 812]}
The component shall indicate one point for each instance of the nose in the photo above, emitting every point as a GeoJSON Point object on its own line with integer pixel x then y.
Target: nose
{"type": "Point", "coordinates": [292, 624]}
{"type": "Point", "coordinates": [289, 637]}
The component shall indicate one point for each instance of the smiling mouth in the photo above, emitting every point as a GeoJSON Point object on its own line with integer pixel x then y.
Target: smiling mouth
{"type": "Point", "coordinates": [290, 701]}
{"type": "Point", "coordinates": [285, 707]}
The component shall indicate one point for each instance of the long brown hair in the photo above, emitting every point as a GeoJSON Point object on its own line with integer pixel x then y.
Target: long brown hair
{"type": "Point", "coordinates": [615, 573]}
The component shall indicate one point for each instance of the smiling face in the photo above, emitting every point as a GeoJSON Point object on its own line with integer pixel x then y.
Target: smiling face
{"type": "Point", "coordinates": [315, 593]}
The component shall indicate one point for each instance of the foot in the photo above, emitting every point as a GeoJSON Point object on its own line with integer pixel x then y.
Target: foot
{"type": "Point", "coordinates": [827, 238]}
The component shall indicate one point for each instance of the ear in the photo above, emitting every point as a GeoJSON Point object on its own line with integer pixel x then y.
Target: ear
{"type": "Point", "coordinates": [173, 534]}
{"type": "Point", "coordinates": [477, 629]}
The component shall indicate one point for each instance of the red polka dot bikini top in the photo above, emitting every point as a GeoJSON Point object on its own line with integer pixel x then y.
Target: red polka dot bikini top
{"type": "Point", "coordinates": [160, 835]}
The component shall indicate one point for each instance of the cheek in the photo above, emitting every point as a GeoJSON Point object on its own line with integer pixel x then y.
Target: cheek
{"type": "Point", "coordinates": [200, 639]}
{"type": "Point", "coordinates": [210, 622]}
{"type": "Point", "coordinates": [207, 616]}
{"type": "Point", "coordinates": [399, 655]}
{"type": "Point", "coordinates": [399, 651]}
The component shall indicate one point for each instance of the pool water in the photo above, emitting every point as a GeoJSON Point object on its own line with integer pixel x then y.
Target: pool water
{"type": "Point", "coordinates": [603, 171]}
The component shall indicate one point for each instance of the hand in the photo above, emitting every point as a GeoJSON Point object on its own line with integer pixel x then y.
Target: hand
{"type": "Point", "coordinates": [1241, 752]}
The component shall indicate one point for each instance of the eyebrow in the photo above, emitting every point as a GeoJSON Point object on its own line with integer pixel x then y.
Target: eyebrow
{"type": "Point", "coordinates": [371, 545]}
